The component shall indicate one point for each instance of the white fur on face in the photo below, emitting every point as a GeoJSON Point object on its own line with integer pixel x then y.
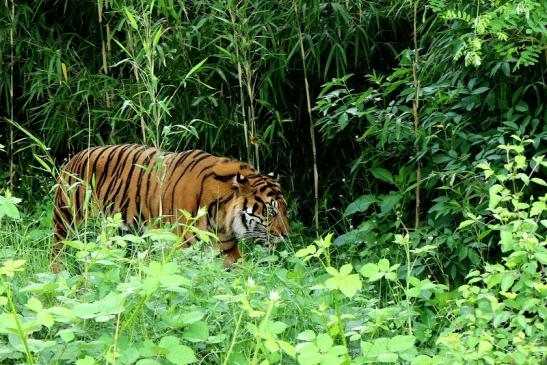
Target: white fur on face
{"type": "Point", "coordinates": [247, 225]}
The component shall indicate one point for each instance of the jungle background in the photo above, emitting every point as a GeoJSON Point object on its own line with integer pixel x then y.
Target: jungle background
{"type": "Point", "coordinates": [409, 136]}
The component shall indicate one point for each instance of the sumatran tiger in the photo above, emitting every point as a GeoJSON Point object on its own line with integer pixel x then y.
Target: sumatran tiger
{"type": "Point", "coordinates": [143, 183]}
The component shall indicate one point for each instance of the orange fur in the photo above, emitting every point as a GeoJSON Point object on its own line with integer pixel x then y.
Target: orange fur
{"type": "Point", "coordinates": [144, 183]}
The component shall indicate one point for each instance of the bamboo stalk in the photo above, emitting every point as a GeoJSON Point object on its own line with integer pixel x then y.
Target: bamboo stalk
{"type": "Point", "coordinates": [312, 135]}
{"type": "Point", "coordinates": [137, 79]}
{"type": "Point", "coordinates": [240, 80]}
{"type": "Point", "coordinates": [12, 60]}
{"type": "Point", "coordinates": [415, 106]}
{"type": "Point", "coordinates": [252, 112]}
{"type": "Point", "coordinates": [104, 51]}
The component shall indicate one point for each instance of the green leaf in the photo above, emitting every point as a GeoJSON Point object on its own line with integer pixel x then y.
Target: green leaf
{"type": "Point", "coordinates": [382, 174]}
{"type": "Point", "coordinates": [521, 106]}
{"type": "Point", "coordinates": [422, 360]}
{"type": "Point", "coordinates": [507, 281]}
{"type": "Point", "coordinates": [277, 327]}
{"type": "Point", "coordinates": [383, 265]}
{"type": "Point", "coordinates": [495, 198]}
{"type": "Point", "coordinates": [389, 202]}
{"type": "Point", "coordinates": [310, 250]}
{"type": "Point", "coordinates": [360, 205]}
{"type": "Point", "coordinates": [196, 332]}
{"type": "Point", "coordinates": [174, 281]}
{"type": "Point", "coordinates": [88, 360]}
{"type": "Point", "coordinates": [346, 269]}
{"type": "Point", "coordinates": [331, 270]}
{"type": "Point", "coordinates": [147, 362]}
{"type": "Point", "coordinates": [44, 318]}
{"type": "Point", "coordinates": [86, 310]}
{"type": "Point", "coordinates": [466, 223]}
{"type": "Point", "coordinates": [181, 355]}
{"type": "Point", "coordinates": [168, 341]}
{"type": "Point", "coordinates": [309, 358]}
{"type": "Point", "coordinates": [287, 348]}
{"type": "Point", "coordinates": [324, 342]}
{"type": "Point", "coordinates": [271, 345]}
{"type": "Point", "coordinates": [307, 335]}
{"type": "Point", "coordinates": [191, 317]}
{"type": "Point", "coordinates": [401, 343]}
{"type": "Point", "coordinates": [484, 346]}
{"type": "Point", "coordinates": [350, 285]}
{"type": "Point", "coordinates": [66, 335]}
{"type": "Point", "coordinates": [368, 270]}
{"type": "Point", "coordinates": [538, 181]}
{"type": "Point", "coordinates": [480, 90]}
{"type": "Point", "coordinates": [387, 357]}
{"type": "Point", "coordinates": [34, 304]}
{"type": "Point", "coordinates": [195, 69]}
{"type": "Point", "coordinates": [131, 18]}
{"type": "Point", "coordinates": [520, 161]}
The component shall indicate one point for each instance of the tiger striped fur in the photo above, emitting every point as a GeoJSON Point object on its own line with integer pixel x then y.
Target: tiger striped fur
{"type": "Point", "coordinates": [143, 183]}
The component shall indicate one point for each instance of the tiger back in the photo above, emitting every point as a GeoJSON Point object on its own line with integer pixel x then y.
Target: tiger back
{"type": "Point", "coordinates": [143, 183]}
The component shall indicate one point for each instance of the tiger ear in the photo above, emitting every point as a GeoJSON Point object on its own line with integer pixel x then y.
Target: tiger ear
{"type": "Point", "coordinates": [273, 175]}
{"type": "Point", "coordinates": [238, 180]}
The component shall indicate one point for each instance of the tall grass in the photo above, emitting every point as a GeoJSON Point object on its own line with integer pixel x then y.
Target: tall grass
{"type": "Point", "coordinates": [383, 105]}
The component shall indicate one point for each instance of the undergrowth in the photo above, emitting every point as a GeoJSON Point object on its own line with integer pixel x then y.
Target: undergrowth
{"type": "Point", "coordinates": [138, 299]}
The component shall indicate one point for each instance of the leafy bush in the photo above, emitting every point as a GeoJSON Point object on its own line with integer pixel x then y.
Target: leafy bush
{"type": "Point", "coordinates": [393, 110]}
{"type": "Point", "coordinates": [153, 303]}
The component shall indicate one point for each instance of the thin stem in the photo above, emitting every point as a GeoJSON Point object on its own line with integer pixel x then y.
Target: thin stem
{"type": "Point", "coordinates": [261, 328]}
{"type": "Point", "coordinates": [312, 136]}
{"type": "Point", "coordinates": [340, 323]}
{"type": "Point", "coordinates": [11, 135]}
{"type": "Point", "coordinates": [20, 331]}
{"type": "Point", "coordinates": [234, 337]}
{"type": "Point", "coordinates": [409, 318]}
{"type": "Point", "coordinates": [134, 64]}
{"type": "Point", "coordinates": [240, 81]}
{"type": "Point", "coordinates": [409, 269]}
{"type": "Point", "coordinates": [415, 107]}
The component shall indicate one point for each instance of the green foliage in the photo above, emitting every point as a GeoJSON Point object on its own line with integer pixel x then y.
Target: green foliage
{"type": "Point", "coordinates": [455, 119]}
{"type": "Point", "coordinates": [8, 206]}
{"type": "Point", "coordinates": [148, 303]}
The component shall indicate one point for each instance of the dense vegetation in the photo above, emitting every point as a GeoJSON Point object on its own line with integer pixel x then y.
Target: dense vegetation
{"type": "Point", "coordinates": [411, 138]}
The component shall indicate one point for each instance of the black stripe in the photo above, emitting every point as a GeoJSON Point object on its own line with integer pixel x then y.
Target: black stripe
{"type": "Point", "coordinates": [258, 182]}
{"type": "Point", "coordinates": [225, 199]}
{"type": "Point", "coordinates": [129, 176]}
{"type": "Point", "coordinates": [181, 157]}
{"type": "Point", "coordinates": [203, 169]}
{"type": "Point", "coordinates": [120, 167]}
{"type": "Point", "coordinates": [114, 179]}
{"type": "Point", "coordinates": [94, 168]}
{"type": "Point", "coordinates": [210, 213]}
{"type": "Point", "coordinates": [223, 178]}
{"type": "Point", "coordinates": [244, 221]}
{"type": "Point", "coordinates": [146, 188]}
{"type": "Point", "coordinates": [192, 164]}
{"type": "Point", "coordinates": [201, 190]}
{"type": "Point", "coordinates": [64, 212]}
{"type": "Point", "coordinates": [80, 184]}
{"type": "Point", "coordinates": [107, 166]}
{"type": "Point", "coordinates": [181, 175]}
{"type": "Point", "coordinates": [139, 180]}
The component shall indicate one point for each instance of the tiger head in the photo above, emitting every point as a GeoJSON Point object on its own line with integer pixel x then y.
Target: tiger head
{"type": "Point", "coordinates": [258, 210]}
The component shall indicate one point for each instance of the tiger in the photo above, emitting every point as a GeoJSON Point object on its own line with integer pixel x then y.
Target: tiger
{"type": "Point", "coordinates": [143, 184]}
